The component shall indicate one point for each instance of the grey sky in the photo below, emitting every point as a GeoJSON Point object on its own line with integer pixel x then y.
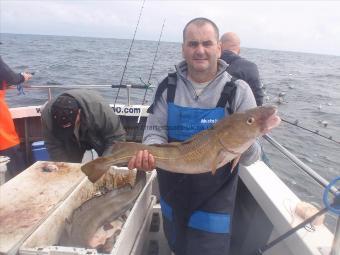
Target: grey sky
{"type": "Point", "coordinates": [307, 26]}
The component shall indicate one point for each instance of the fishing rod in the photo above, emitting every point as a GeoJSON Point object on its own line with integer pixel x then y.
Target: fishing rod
{"type": "Point", "coordinates": [127, 59]}
{"type": "Point", "coordinates": [316, 132]}
{"type": "Point", "coordinates": [148, 85]}
{"type": "Point", "coordinates": [329, 206]}
{"type": "Point", "coordinates": [153, 63]}
{"type": "Point", "coordinates": [295, 123]}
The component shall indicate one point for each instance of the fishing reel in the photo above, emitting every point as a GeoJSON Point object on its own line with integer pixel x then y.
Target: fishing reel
{"type": "Point", "coordinates": [335, 205]}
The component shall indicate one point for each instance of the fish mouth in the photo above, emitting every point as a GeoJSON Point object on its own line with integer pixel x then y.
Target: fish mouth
{"type": "Point", "coordinates": [272, 121]}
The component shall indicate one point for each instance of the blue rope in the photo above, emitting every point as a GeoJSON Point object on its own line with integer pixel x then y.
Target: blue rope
{"type": "Point", "coordinates": [20, 88]}
{"type": "Point", "coordinates": [335, 206]}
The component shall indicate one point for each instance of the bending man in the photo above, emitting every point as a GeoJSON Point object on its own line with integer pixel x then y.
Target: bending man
{"type": "Point", "coordinates": [79, 120]}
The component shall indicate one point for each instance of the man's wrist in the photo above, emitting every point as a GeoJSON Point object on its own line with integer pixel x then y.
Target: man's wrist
{"type": "Point", "coordinates": [22, 76]}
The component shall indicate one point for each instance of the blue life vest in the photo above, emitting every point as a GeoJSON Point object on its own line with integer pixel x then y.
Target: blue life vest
{"type": "Point", "coordinates": [199, 202]}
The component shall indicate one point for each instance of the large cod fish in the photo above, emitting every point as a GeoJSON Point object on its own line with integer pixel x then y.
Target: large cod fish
{"type": "Point", "coordinates": [203, 152]}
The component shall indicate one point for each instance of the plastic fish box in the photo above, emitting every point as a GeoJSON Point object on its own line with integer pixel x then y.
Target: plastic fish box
{"type": "Point", "coordinates": [46, 198]}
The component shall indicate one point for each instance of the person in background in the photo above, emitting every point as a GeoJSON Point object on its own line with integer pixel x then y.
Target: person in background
{"type": "Point", "coordinates": [197, 209]}
{"type": "Point", "coordinates": [9, 139]}
{"type": "Point", "coordinates": [239, 67]}
{"type": "Point", "coordinates": [79, 120]}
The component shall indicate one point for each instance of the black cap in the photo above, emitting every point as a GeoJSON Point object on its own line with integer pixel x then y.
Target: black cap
{"type": "Point", "coordinates": [64, 112]}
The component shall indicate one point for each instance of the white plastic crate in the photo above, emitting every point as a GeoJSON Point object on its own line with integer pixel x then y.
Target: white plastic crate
{"type": "Point", "coordinates": [130, 239]}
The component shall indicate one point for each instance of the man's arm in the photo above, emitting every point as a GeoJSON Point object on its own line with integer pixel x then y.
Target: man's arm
{"type": "Point", "coordinates": [7, 74]}
{"type": "Point", "coordinates": [111, 128]}
{"type": "Point", "coordinates": [255, 83]}
{"type": "Point", "coordinates": [54, 146]}
{"type": "Point", "coordinates": [156, 125]}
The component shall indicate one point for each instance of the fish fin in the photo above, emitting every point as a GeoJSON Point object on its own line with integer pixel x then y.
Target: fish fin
{"type": "Point", "coordinates": [234, 163]}
{"type": "Point", "coordinates": [222, 159]}
{"type": "Point", "coordinates": [172, 144]}
{"type": "Point", "coordinates": [203, 133]}
{"type": "Point", "coordinates": [95, 169]}
{"type": "Point", "coordinates": [216, 161]}
{"type": "Point", "coordinates": [214, 166]}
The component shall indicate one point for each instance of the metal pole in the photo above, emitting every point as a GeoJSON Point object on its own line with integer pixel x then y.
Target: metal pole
{"type": "Point", "coordinates": [71, 86]}
{"type": "Point", "coordinates": [49, 94]}
{"type": "Point", "coordinates": [290, 232]}
{"type": "Point", "coordinates": [153, 63]}
{"type": "Point", "coordinates": [88, 86]}
{"type": "Point", "coordinates": [128, 89]}
{"type": "Point", "coordinates": [27, 143]}
{"type": "Point", "coordinates": [127, 59]}
{"type": "Point", "coordinates": [319, 179]}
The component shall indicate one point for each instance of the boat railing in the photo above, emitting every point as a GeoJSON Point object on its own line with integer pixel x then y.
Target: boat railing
{"type": "Point", "coordinates": [309, 171]}
{"type": "Point", "coordinates": [128, 88]}
{"type": "Point", "coordinates": [315, 176]}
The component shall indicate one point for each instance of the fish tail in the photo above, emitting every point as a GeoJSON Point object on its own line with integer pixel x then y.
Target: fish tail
{"type": "Point", "coordinates": [121, 153]}
{"type": "Point", "coordinates": [96, 168]}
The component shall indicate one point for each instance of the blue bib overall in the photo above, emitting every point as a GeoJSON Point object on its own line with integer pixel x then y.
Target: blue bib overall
{"type": "Point", "coordinates": [197, 209]}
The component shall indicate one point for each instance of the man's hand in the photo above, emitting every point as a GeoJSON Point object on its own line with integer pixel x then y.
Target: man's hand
{"type": "Point", "coordinates": [143, 160]}
{"type": "Point", "coordinates": [27, 76]}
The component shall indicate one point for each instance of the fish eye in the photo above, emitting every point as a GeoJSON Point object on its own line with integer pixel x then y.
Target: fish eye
{"type": "Point", "coordinates": [250, 120]}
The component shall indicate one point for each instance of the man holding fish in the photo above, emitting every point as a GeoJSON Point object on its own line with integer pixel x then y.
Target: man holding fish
{"type": "Point", "coordinates": [200, 122]}
{"type": "Point", "coordinates": [197, 209]}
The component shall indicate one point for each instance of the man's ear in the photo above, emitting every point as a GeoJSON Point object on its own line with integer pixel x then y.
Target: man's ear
{"type": "Point", "coordinates": [78, 116]}
{"type": "Point", "coordinates": [219, 45]}
{"type": "Point", "coordinates": [183, 50]}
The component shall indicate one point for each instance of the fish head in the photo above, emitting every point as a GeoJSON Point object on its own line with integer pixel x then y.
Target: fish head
{"type": "Point", "coordinates": [238, 132]}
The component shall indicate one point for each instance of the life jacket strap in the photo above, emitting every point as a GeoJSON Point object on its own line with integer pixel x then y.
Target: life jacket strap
{"type": "Point", "coordinates": [227, 95]}
{"type": "Point", "coordinates": [171, 80]}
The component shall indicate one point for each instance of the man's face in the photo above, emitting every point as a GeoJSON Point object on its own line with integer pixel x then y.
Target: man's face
{"type": "Point", "coordinates": [201, 49]}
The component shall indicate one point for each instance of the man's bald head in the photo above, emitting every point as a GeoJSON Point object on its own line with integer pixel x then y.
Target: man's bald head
{"type": "Point", "coordinates": [231, 41]}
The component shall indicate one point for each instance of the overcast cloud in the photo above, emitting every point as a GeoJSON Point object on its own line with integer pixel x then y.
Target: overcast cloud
{"type": "Point", "coordinates": [306, 26]}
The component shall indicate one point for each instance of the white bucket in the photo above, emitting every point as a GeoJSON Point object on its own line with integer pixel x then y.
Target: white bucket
{"type": "Point", "coordinates": [3, 168]}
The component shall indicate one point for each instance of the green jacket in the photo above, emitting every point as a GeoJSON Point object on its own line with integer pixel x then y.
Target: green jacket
{"type": "Point", "coordinates": [99, 128]}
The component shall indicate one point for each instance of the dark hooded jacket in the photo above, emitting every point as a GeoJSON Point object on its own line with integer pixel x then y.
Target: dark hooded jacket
{"type": "Point", "coordinates": [99, 128]}
{"type": "Point", "coordinates": [7, 75]}
{"type": "Point", "coordinates": [243, 69]}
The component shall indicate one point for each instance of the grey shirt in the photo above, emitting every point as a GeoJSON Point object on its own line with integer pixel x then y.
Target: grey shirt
{"type": "Point", "coordinates": [155, 131]}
